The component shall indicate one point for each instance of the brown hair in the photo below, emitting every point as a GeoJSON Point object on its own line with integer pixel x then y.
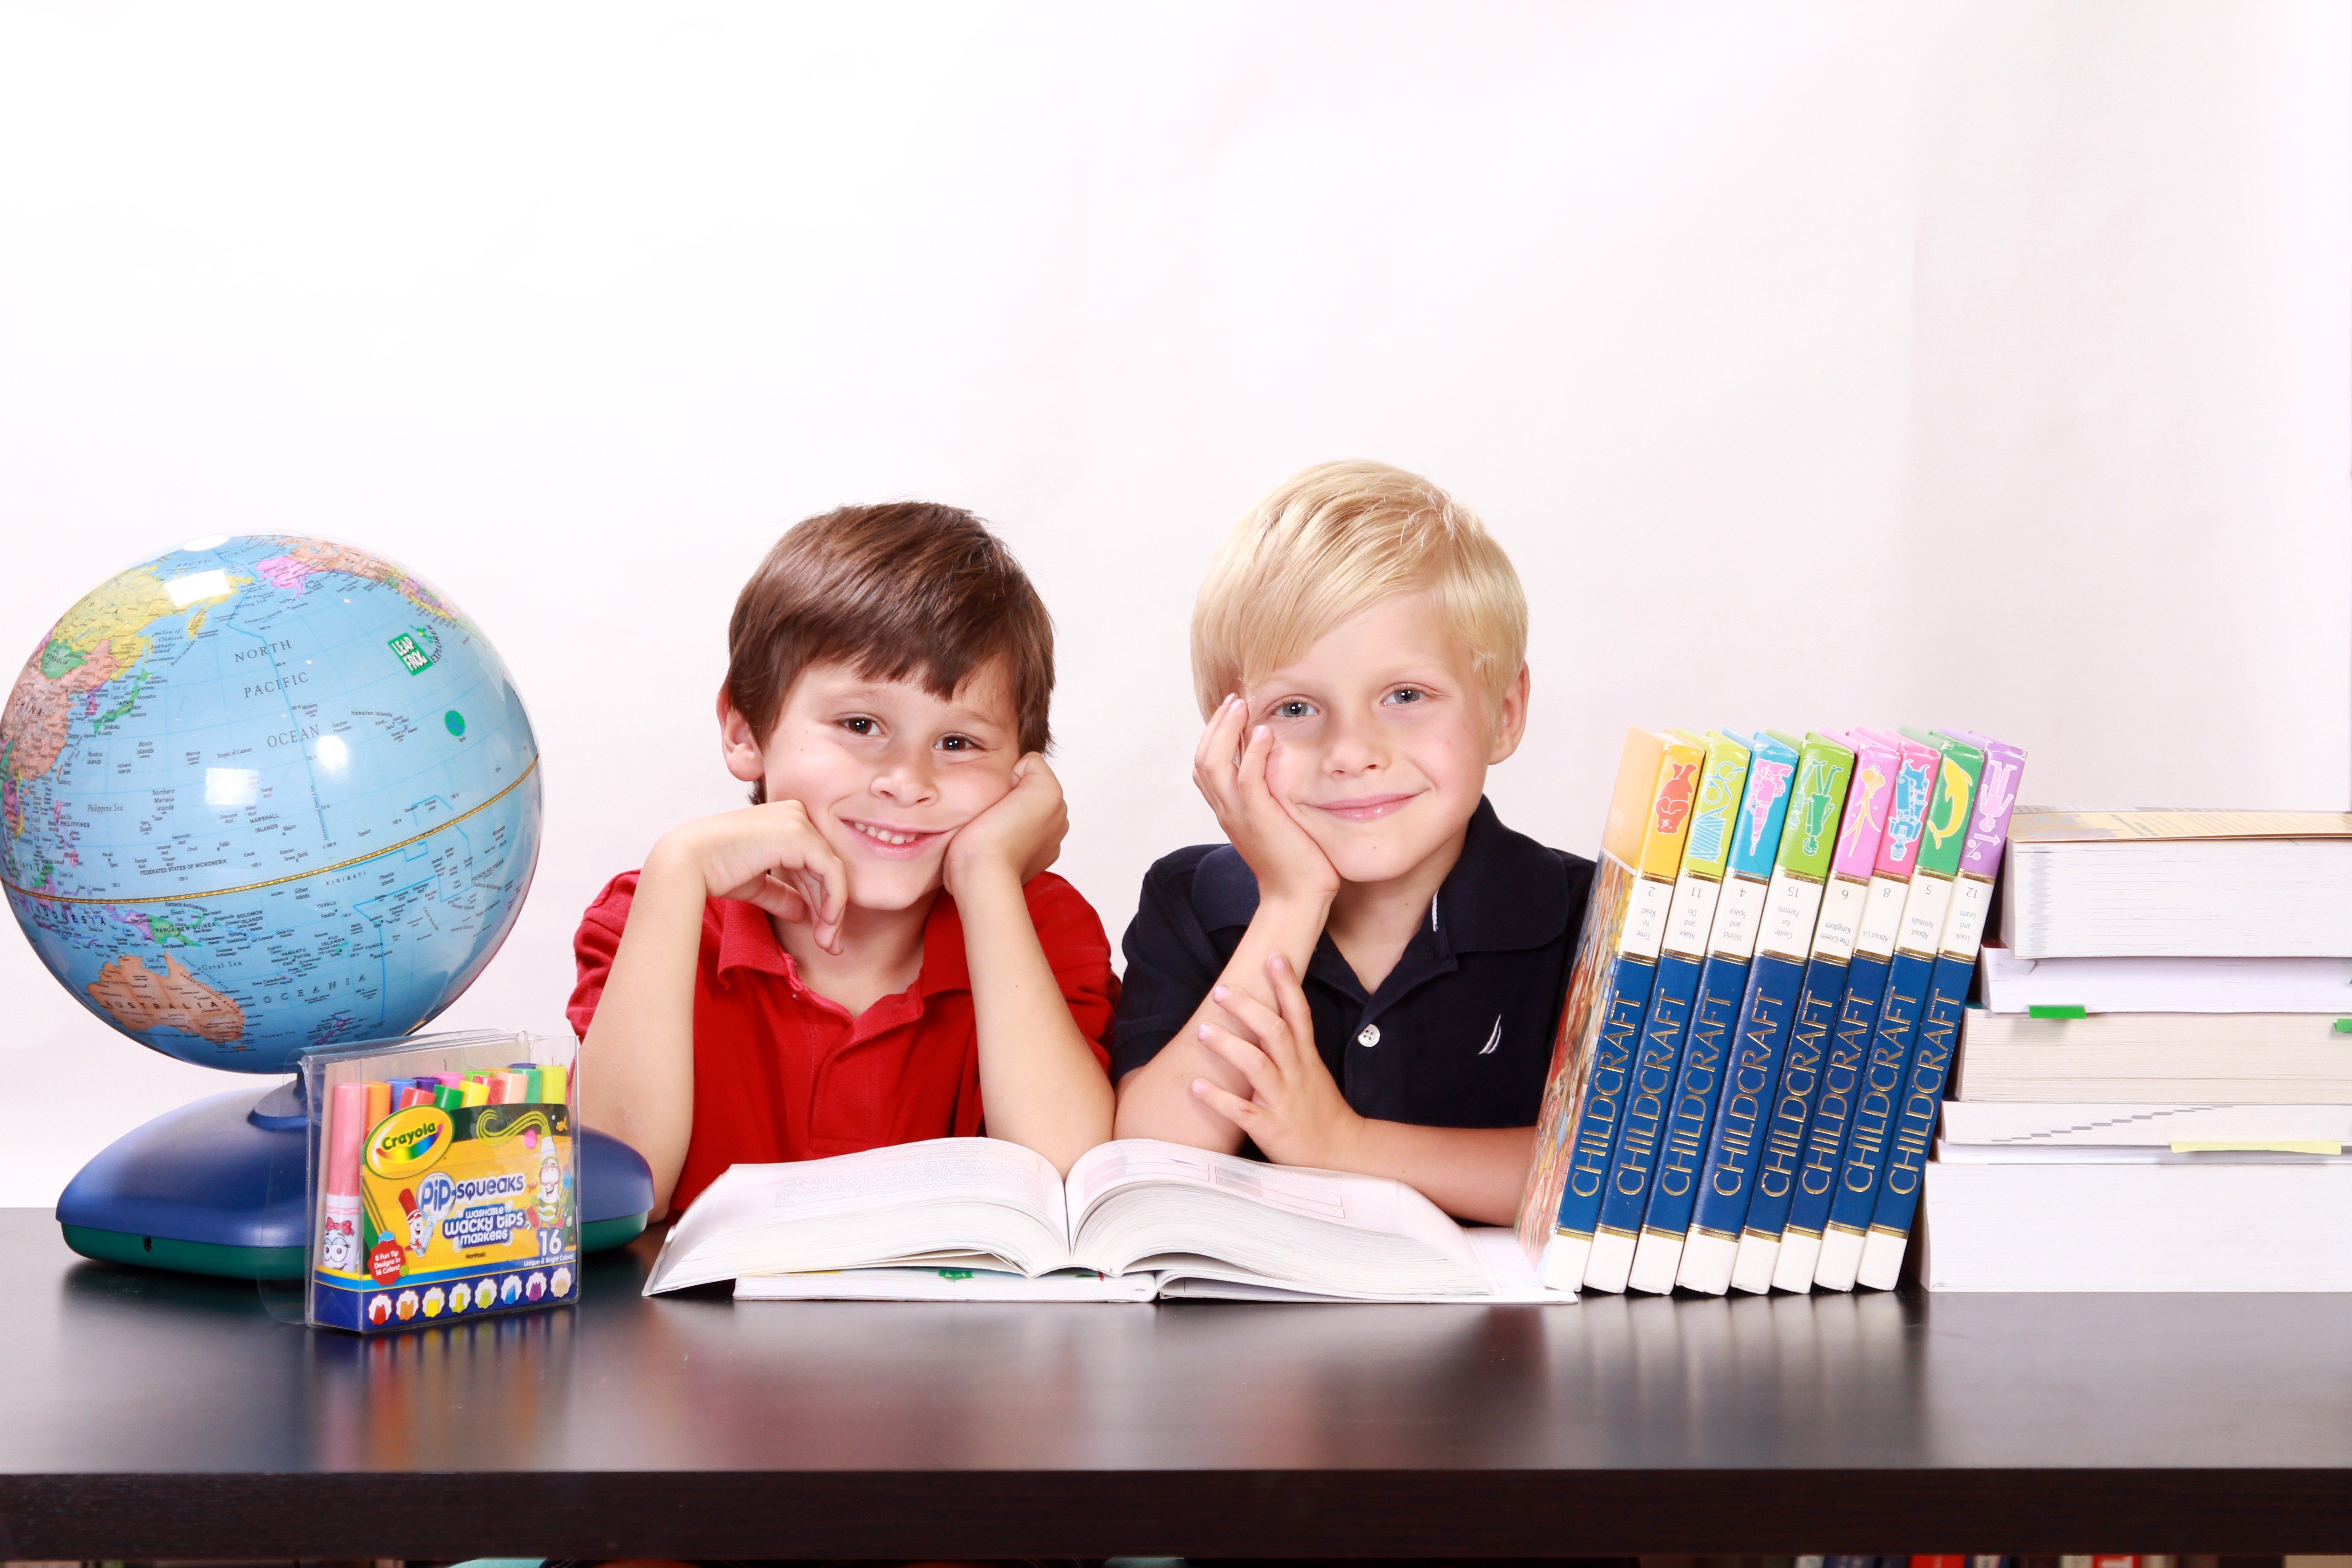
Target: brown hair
{"type": "Point", "coordinates": [908, 589]}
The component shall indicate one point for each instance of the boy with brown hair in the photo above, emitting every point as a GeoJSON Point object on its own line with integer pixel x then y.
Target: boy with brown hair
{"type": "Point", "coordinates": [1367, 976]}
{"type": "Point", "coordinates": [786, 981]}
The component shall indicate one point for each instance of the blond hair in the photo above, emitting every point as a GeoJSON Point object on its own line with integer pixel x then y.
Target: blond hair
{"type": "Point", "coordinates": [1333, 540]}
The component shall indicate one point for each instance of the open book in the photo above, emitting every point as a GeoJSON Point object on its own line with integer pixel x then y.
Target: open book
{"type": "Point", "coordinates": [1150, 1218]}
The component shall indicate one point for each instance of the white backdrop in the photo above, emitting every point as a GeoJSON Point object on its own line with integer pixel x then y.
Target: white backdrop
{"type": "Point", "coordinates": [1977, 362]}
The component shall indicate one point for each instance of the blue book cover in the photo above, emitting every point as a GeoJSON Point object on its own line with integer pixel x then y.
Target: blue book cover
{"type": "Point", "coordinates": [1816, 1181]}
{"type": "Point", "coordinates": [1751, 1075]}
{"type": "Point", "coordinates": [1748, 1081]}
{"type": "Point", "coordinates": [1924, 908]}
{"type": "Point", "coordinates": [1844, 926]}
{"type": "Point", "coordinates": [1855, 1197]}
{"type": "Point", "coordinates": [1648, 1092]}
{"type": "Point", "coordinates": [1783, 1153]}
{"type": "Point", "coordinates": [1623, 1007]}
{"type": "Point", "coordinates": [1673, 1191]}
{"type": "Point", "coordinates": [1714, 1011]}
{"type": "Point", "coordinates": [1922, 1101]}
{"type": "Point", "coordinates": [1609, 991]}
{"type": "Point", "coordinates": [1939, 1028]}
{"type": "Point", "coordinates": [1657, 1057]}
{"type": "Point", "coordinates": [1908, 789]}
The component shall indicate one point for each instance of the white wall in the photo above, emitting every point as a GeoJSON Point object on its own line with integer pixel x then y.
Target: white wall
{"type": "Point", "coordinates": [1976, 363]}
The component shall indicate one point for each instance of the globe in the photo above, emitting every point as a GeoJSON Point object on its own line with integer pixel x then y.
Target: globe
{"type": "Point", "coordinates": [263, 795]}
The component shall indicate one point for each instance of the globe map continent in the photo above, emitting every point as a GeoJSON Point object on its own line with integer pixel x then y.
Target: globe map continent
{"type": "Point", "coordinates": [263, 795]}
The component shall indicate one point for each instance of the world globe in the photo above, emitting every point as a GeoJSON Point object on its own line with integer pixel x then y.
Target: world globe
{"type": "Point", "coordinates": [262, 794]}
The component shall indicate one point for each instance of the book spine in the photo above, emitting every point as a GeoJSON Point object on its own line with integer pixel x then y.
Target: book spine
{"type": "Point", "coordinates": [1924, 908]}
{"type": "Point", "coordinates": [1723, 979]}
{"type": "Point", "coordinates": [1782, 1160]}
{"type": "Point", "coordinates": [1845, 906]}
{"type": "Point", "coordinates": [1640, 1141]}
{"type": "Point", "coordinates": [1657, 1255]}
{"type": "Point", "coordinates": [1621, 1008]}
{"type": "Point", "coordinates": [1816, 1182]}
{"type": "Point", "coordinates": [1656, 855]}
{"type": "Point", "coordinates": [1939, 1027]}
{"type": "Point", "coordinates": [1711, 1246]}
{"type": "Point", "coordinates": [1605, 907]}
{"type": "Point", "coordinates": [1658, 1053]}
{"type": "Point", "coordinates": [1855, 1197]}
{"type": "Point", "coordinates": [1912, 768]}
{"type": "Point", "coordinates": [1752, 1076]}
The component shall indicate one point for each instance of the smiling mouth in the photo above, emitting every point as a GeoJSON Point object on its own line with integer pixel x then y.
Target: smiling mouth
{"type": "Point", "coordinates": [900, 839]}
{"type": "Point", "coordinates": [1365, 808]}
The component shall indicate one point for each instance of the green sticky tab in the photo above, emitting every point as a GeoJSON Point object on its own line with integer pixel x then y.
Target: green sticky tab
{"type": "Point", "coordinates": [2069, 1010]}
{"type": "Point", "coordinates": [2344, 1026]}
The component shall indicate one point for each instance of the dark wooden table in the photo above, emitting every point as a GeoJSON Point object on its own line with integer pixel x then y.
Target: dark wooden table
{"type": "Point", "coordinates": [155, 1415]}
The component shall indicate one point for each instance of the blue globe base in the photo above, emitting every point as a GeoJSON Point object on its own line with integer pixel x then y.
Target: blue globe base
{"type": "Point", "coordinates": [218, 1187]}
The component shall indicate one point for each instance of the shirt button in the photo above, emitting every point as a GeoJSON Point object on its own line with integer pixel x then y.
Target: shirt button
{"type": "Point", "coordinates": [1368, 1036]}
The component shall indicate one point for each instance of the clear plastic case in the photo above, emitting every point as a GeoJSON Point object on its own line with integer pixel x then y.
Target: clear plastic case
{"type": "Point", "coordinates": [444, 1180]}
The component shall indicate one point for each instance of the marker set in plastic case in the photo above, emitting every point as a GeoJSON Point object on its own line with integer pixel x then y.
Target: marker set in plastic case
{"type": "Point", "coordinates": [444, 1181]}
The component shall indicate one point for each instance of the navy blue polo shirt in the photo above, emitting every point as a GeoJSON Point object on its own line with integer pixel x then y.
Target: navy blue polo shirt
{"type": "Point", "coordinates": [1460, 1032]}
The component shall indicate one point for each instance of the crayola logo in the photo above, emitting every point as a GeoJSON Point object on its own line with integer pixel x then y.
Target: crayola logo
{"type": "Point", "coordinates": [410, 1141]}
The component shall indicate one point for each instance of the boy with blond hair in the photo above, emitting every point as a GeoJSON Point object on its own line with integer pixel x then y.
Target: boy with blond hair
{"type": "Point", "coordinates": [1366, 977]}
{"type": "Point", "coordinates": [873, 951]}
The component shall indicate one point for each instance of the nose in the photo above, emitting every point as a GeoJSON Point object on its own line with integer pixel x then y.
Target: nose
{"type": "Point", "coordinates": [1352, 746]}
{"type": "Point", "coordinates": [907, 777]}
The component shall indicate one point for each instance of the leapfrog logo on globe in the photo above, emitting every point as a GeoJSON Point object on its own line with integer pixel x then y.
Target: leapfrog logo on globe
{"type": "Point", "coordinates": [410, 1141]}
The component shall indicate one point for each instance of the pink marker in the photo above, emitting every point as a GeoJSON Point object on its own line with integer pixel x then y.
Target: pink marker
{"type": "Point", "coordinates": [339, 1229]}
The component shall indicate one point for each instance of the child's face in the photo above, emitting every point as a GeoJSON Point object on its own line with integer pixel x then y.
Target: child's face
{"type": "Point", "coordinates": [885, 771]}
{"type": "Point", "coordinates": [1383, 736]}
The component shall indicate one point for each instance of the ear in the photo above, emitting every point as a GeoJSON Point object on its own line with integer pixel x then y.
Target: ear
{"type": "Point", "coordinates": [738, 743]}
{"type": "Point", "coordinates": [1511, 723]}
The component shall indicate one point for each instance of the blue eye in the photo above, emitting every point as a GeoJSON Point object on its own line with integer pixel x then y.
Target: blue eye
{"type": "Point", "coordinates": [1407, 694]}
{"type": "Point", "coordinates": [1293, 709]}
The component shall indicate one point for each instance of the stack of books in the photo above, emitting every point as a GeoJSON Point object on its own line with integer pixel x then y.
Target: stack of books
{"type": "Point", "coordinates": [1779, 947]}
{"type": "Point", "coordinates": [2155, 1093]}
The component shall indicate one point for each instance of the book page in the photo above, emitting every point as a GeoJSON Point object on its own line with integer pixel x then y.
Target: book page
{"type": "Point", "coordinates": [1143, 1204]}
{"type": "Point", "coordinates": [2047, 827]}
{"type": "Point", "coordinates": [1506, 1265]}
{"type": "Point", "coordinates": [988, 1169]}
{"type": "Point", "coordinates": [1318, 1195]}
{"type": "Point", "coordinates": [947, 1196]}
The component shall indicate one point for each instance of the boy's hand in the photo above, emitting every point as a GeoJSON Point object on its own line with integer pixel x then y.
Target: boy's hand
{"type": "Point", "coordinates": [771, 856]}
{"type": "Point", "coordinates": [1020, 833]}
{"type": "Point", "coordinates": [1294, 1112]}
{"type": "Point", "coordinates": [1285, 861]}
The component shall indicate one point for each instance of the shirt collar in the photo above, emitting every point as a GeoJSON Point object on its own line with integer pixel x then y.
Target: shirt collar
{"type": "Point", "coordinates": [747, 941]}
{"type": "Point", "coordinates": [1506, 893]}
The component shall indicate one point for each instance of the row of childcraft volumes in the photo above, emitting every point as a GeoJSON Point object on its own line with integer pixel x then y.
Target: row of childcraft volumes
{"type": "Point", "coordinates": [1773, 972]}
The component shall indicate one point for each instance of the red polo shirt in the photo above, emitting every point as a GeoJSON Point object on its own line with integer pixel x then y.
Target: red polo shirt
{"type": "Point", "coordinates": [781, 1073]}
